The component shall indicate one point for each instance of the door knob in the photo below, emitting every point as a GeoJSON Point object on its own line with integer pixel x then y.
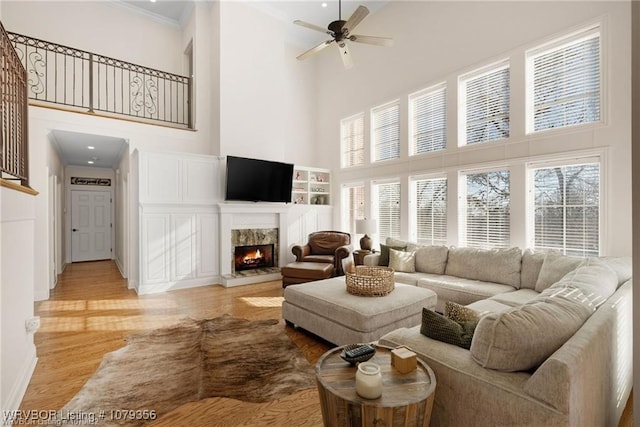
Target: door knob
{"type": "Point", "coordinates": [74, 229]}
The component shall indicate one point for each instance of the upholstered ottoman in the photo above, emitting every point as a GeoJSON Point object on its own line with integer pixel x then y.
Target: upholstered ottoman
{"type": "Point", "coordinates": [325, 308]}
{"type": "Point", "coordinates": [302, 272]}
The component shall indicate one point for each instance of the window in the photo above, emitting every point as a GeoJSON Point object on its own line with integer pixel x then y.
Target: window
{"type": "Point", "coordinates": [484, 105]}
{"type": "Point", "coordinates": [564, 88]}
{"type": "Point", "coordinates": [385, 131]}
{"type": "Point", "coordinates": [352, 140]}
{"type": "Point", "coordinates": [352, 206]}
{"type": "Point", "coordinates": [428, 120]}
{"type": "Point", "coordinates": [387, 205]}
{"type": "Point", "coordinates": [429, 213]}
{"type": "Point", "coordinates": [485, 212]}
{"type": "Point", "coordinates": [566, 208]}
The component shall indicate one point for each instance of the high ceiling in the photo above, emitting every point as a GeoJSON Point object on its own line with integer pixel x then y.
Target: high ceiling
{"type": "Point", "coordinates": [72, 147]}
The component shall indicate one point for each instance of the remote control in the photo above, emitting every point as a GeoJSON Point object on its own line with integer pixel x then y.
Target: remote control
{"type": "Point", "coordinates": [359, 351]}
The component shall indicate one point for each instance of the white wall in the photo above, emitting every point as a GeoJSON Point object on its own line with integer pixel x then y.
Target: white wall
{"type": "Point", "coordinates": [436, 42]}
{"type": "Point", "coordinates": [100, 27]}
{"type": "Point", "coordinates": [267, 106]}
{"type": "Point", "coordinates": [17, 231]}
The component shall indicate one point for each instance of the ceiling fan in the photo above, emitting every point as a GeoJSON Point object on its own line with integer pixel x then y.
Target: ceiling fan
{"type": "Point", "coordinates": [340, 31]}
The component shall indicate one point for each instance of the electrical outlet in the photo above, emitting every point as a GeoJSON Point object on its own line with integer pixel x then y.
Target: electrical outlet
{"type": "Point", "coordinates": [32, 325]}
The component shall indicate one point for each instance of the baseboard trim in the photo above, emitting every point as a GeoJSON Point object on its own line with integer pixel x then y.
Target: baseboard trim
{"type": "Point", "coordinates": [19, 388]}
{"type": "Point", "coordinates": [174, 285]}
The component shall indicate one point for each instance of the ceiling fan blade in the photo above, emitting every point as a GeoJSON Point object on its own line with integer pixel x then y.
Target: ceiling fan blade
{"type": "Point", "coordinates": [360, 13]}
{"type": "Point", "coordinates": [380, 41]}
{"type": "Point", "coordinates": [315, 49]}
{"type": "Point", "coordinates": [312, 27]}
{"type": "Point", "coordinates": [345, 55]}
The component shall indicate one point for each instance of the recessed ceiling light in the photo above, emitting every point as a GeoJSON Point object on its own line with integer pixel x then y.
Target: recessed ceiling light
{"type": "Point", "coordinates": [324, 4]}
{"type": "Point", "coordinates": [91, 147]}
{"type": "Point", "coordinates": [152, 1]}
{"type": "Point", "coordinates": [90, 162]}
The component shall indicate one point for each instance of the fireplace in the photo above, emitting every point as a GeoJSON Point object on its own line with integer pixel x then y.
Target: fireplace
{"type": "Point", "coordinates": [250, 257]}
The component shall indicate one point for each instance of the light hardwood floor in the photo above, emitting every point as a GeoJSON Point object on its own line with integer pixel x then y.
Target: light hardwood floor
{"type": "Point", "coordinates": [91, 311]}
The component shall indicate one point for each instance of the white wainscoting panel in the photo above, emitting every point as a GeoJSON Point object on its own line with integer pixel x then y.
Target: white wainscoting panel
{"type": "Point", "coordinates": [155, 248]}
{"type": "Point", "coordinates": [208, 245]}
{"type": "Point", "coordinates": [183, 246]}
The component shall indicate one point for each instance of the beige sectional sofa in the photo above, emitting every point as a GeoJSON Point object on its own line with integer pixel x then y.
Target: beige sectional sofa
{"type": "Point", "coordinates": [553, 345]}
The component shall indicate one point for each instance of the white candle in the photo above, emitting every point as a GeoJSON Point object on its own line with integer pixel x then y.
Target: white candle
{"type": "Point", "coordinates": [369, 380]}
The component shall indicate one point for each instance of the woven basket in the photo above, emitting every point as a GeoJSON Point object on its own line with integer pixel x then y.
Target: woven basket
{"type": "Point", "coordinates": [370, 281]}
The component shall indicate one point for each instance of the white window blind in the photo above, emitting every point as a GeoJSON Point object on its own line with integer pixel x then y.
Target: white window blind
{"type": "Point", "coordinates": [566, 82]}
{"type": "Point", "coordinates": [486, 213]}
{"type": "Point", "coordinates": [388, 208]}
{"type": "Point", "coordinates": [486, 99]}
{"type": "Point", "coordinates": [352, 206]}
{"type": "Point", "coordinates": [428, 120]}
{"type": "Point", "coordinates": [385, 130]}
{"type": "Point", "coordinates": [430, 211]}
{"type": "Point", "coordinates": [352, 140]}
{"type": "Point", "coordinates": [567, 209]}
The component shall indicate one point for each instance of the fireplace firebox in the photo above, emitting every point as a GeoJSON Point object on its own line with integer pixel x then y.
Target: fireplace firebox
{"type": "Point", "coordinates": [253, 256]}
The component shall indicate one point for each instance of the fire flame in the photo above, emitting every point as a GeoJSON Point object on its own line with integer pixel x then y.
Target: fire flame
{"type": "Point", "coordinates": [256, 255]}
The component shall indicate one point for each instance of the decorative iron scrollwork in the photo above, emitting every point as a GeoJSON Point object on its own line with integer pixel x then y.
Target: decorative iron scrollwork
{"type": "Point", "coordinates": [36, 69]}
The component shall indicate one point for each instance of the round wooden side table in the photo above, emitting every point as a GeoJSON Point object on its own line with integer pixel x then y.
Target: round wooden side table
{"type": "Point", "coordinates": [407, 399]}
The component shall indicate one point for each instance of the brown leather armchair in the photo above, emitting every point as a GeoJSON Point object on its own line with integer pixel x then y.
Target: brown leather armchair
{"type": "Point", "coordinates": [326, 246]}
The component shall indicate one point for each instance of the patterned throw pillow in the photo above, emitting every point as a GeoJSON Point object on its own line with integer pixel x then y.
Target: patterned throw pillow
{"type": "Point", "coordinates": [460, 313]}
{"type": "Point", "coordinates": [384, 254]}
{"type": "Point", "coordinates": [402, 261]}
{"type": "Point", "coordinates": [438, 327]}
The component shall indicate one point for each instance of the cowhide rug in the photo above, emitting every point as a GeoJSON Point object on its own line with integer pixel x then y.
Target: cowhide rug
{"type": "Point", "coordinates": [159, 370]}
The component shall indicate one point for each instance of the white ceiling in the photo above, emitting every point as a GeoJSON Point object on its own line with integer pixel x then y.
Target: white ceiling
{"type": "Point", "coordinates": [72, 146]}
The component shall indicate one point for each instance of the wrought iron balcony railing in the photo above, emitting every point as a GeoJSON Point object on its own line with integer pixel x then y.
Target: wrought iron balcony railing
{"type": "Point", "coordinates": [13, 114]}
{"type": "Point", "coordinates": [75, 78]}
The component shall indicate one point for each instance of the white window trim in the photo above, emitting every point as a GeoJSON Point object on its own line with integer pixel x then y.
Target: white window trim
{"type": "Point", "coordinates": [412, 201]}
{"type": "Point", "coordinates": [462, 98]}
{"type": "Point", "coordinates": [559, 41]}
{"type": "Point", "coordinates": [375, 201]}
{"type": "Point", "coordinates": [372, 146]}
{"type": "Point", "coordinates": [347, 120]}
{"type": "Point", "coordinates": [410, 109]}
{"type": "Point", "coordinates": [599, 157]}
{"type": "Point", "coordinates": [344, 220]}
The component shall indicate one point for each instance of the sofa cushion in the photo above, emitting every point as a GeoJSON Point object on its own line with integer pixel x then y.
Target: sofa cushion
{"type": "Point", "coordinates": [594, 278]}
{"type": "Point", "coordinates": [485, 306]}
{"type": "Point", "coordinates": [384, 254]}
{"type": "Point", "coordinates": [462, 291]}
{"type": "Point", "coordinates": [402, 261]}
{"type": "Point", "coordinates": [523, 337]}
{"type": "Point", "coordinates": [623, 266]}
{"type": "Point", "coordinates": [489, 265]}
{"type": "Point", "coordinates": [516, 298]}
{"type": "Point", "coordinates": [554, 267]}
{"type": "Point", "coordinates": [438, 327]}
{"type": "Point", "coordinates": [432, 259]}
{"type": "Point", "coordinates": [460, 313]}
{"type": "Point", "coordinates": [531, 265]}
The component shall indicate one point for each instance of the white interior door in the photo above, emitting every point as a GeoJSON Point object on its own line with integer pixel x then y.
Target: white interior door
{"type": "Point", "coordinates": [90, 225]}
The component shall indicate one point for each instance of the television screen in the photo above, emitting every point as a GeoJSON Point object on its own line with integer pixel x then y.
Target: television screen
{"type": "Point", "coordinates": [257, 180]}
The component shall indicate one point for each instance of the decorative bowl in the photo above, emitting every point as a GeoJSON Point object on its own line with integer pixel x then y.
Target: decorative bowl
{"type": "Point", "coordinates": [353, 361]}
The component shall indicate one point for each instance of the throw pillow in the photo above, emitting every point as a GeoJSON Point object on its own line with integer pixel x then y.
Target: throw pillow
{"type": "Point", "coordinates": [384, 254]}
{"type": "Point", "coordinates": [438, 327]}
{"type": "Point", "coordinates": [402, 261]}
{"type": "Point", "coordinates": [459, 313]}
{"type": "Point", "coordinates": [554, 267]}
{"type": "Point", "coordinates": [431, 259]}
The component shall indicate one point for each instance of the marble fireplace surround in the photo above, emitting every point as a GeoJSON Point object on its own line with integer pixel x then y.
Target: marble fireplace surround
{"type": "Point", "coordinates": [248, 224]}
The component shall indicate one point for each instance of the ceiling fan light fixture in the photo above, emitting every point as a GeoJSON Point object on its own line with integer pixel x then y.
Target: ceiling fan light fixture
{"type": "Point", "coordinates": [340, 31]}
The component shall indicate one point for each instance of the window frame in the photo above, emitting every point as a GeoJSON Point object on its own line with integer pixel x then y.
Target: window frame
{"type": "Point", "coordinates": [373, 143]}
{"type": "Point", "coordinates": [346, 207]}
{"type": "Point", "coordinates": [413, 205]}
{"type": "Point", "coordinates": [531, 167]}
{"type": "Point", "coordinates": [463, 231]}
{"type": "Point", "coordinates": [344, 150]}
{"type": "Point", "coordinates": [411, 117]}
{"type": "Point", "coordinates": [463, 79]}
{"type": "Point", "coordinates": [596, 29]}
{"type": "Point", "coordinates": [375, 204]}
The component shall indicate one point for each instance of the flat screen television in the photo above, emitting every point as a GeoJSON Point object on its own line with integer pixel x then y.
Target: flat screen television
{"type": "Point", "coordinates": [256, 180]}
